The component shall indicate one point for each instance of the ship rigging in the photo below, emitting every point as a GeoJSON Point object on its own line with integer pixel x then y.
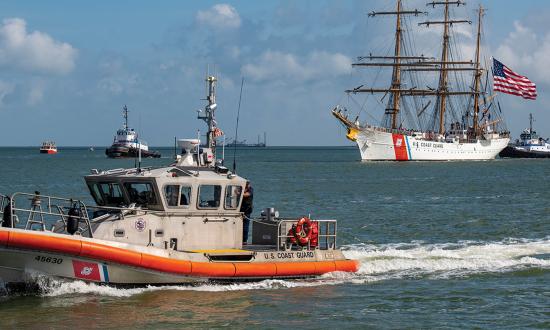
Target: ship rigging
{"type": "Point", "coordinates": [456, 119]}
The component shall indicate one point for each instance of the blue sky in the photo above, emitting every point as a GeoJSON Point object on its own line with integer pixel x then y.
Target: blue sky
{"type": "Point", "coordinates": [68, 67]}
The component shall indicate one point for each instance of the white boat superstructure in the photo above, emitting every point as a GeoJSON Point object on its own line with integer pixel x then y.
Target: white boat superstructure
{"type": "Point", "coordinates": [127, 143]}
{"type": "Point", "coordinates": [127, 136]}
{"type": "Point", "coordinates": [453, 121]}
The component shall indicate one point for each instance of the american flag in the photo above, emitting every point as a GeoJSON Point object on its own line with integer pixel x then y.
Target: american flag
{"type": "Point", "coordinates": [509, 82]}
{"type": "Point", "coordinates": [217, 132]}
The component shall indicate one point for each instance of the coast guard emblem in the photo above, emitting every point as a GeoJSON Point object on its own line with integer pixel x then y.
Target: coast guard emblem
{"type": "Point", "coordinates": [86, 271]}
{"type": "Point", "coordinates": [140, 224]}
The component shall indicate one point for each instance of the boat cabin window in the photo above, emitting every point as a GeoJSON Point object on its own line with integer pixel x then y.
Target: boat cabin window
{"type": "Point", "coordinates": [171, 193]}
{"type": "Point", "coordinates": [107, 193]}
{"type": "Point", "coordinates": [176, 193]}
{"type": "Point", "coordinates": [232, 197]}
{"type": "Point", "coordinates": [209, 196]}
{"type": "Point", "coordinates": [141, 193]}
{"type": "Point", "coordinates": [185, 196]}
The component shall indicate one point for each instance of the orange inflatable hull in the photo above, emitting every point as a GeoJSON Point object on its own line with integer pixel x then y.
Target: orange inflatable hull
{"type": "Point", "coordinates": [106, 253]}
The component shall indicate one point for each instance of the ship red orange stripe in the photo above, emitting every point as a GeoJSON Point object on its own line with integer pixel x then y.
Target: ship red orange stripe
{"type": "Point", "coordinates": [101, 252]}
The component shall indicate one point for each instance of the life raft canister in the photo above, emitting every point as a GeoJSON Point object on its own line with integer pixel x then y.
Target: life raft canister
{"type": "Point", "coordinates": [72, 220]}
{"type": "Point", "coordinates": [304, 231]}
{"type": "Point", "coordinates": [7, 219]}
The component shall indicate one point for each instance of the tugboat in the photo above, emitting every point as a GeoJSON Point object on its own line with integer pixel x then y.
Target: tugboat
{"type": "Point", "coordinates": [48, 147]}
{"type": "Point", "coordinates": [126, 143]}
{"type": "Point", "coordinates": [529, 145]}
{"type": "Point", "coordinates": [153, 226]}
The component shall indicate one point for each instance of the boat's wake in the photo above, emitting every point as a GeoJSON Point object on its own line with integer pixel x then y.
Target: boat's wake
{"type": "Point", "coordinates": [417, 259]}
{"type": "Point", "coordinates": [377, 263]}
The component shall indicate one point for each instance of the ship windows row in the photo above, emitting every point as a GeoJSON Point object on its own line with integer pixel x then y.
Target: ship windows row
{"type": "Point", "coordinates": [209, 196]}
{"type": "Point", "coordinates": [175, 196]}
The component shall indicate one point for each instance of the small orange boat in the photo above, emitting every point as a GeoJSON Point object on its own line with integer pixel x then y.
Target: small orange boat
{"type": "Point", "coordinates": [48, 147]}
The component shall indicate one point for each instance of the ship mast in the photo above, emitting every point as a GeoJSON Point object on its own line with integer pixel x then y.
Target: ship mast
{"type": "Point", "coordinates": [208, 115]}
{"type": "Point", "coordinates": [443, 81]}
{"type": "Point", "coordinates": [407, 63]}
{"type": "Point", "coordinates": [396, 76]}
{"type": "Point", "coordinates": [478, 71]}
{"type": "Point", "coordinates": [125, 115]}
{"type": "Point", "coordinates": [395, 89]}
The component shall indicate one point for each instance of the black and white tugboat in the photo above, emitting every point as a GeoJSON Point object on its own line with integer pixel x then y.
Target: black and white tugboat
{"type": "Point", "coordinates": [529, 145]}
{"type": "Point", "coordinates": [126, 143]}
{"type": "Point", "coordinates": [173, 224]}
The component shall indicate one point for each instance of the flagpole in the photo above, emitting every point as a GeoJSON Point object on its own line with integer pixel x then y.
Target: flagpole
{"type": "Point", "coordinates": [223, 149]}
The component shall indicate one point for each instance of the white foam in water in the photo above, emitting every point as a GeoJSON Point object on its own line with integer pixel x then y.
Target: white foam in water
{"type": "Point", "coordinates": [450, 259]}
{"type": "Point", "coordinates": [378, 263]}
{"type": "Point", "coordinates": [53, 288]}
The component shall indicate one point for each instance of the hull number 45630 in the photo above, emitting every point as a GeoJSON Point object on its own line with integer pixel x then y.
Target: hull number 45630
{"type": "Point", "coordinates": [51, 260]}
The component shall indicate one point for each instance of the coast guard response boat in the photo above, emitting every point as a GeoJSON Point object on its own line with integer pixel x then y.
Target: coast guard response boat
{"type": "Point", "coordinates": [175, 224]}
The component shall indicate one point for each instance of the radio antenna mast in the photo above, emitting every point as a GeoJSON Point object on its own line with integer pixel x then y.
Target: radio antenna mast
{"type": "Point", "coordinates": [237, 128]}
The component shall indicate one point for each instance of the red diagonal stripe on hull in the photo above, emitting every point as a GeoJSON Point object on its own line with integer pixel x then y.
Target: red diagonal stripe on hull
{"type": "Point", "coordinates": [400, 147]}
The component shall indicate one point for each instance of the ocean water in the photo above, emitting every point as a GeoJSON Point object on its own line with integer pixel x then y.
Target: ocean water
{"type": "Point", "coordinates": [441, 245]}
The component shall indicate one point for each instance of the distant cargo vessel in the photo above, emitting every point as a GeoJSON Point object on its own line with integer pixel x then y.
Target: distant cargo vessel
{"type": "Point", "coordinates": [48, 147]}
{"type": "Point", "coordinates": [126, 143]}
{"type": "Point", "coordinates": [529, 145]}
{"type": "Point", "coordinates": [244, 144]}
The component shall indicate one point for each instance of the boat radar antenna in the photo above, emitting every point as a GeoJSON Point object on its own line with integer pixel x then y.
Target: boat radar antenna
{"type": "Point", "coordinates": [209, 113]}
{"type": "Point", "coordinates": [125, 114]}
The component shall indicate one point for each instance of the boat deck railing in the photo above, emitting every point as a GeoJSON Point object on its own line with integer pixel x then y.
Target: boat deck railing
{"type": "Point", "coordinates": [44, 210]}
{"type": "Point", "coordinates": [4, 200]}
{"type": "Point", "coordinates": [326, 236]}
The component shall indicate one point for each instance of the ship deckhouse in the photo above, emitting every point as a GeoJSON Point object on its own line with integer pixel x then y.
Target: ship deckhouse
{"type": "Point", "coordinates": [186, 207]}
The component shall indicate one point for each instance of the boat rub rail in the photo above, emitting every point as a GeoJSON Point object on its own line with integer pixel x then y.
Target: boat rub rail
{"type": "Point", "coordinates": [91, 250]}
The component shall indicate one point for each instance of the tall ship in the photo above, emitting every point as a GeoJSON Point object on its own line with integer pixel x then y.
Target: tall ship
{"type": "Point", "coordinates": [179, 223]}
{"type": "Point", "coordinates": [529, 145]}
{"type": "Point", "coordinates": [48, 147]}
{"type": "Point", "coordinates": [433, 108]}
{"type": "Point", "coordinates": [127, 144]}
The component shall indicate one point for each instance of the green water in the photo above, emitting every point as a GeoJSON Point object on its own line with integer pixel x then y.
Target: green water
{"type": "Point", "coordinates": [441, 245]}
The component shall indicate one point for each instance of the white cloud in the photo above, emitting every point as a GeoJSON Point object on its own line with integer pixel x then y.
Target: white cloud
{"type": "Point", "coordinates": [34, 51]}
{"type": "Point", "coordinates": [526, 53]}
{"type": "Point", "coordinates": [220, 16]}
{"type": "Point", "coordinates": [274, 65]}
{"type": "Point", "coordinates": [36, 93]}
{"type": "Point", "coordinates": [5, 90]}
{"type": "Point", "coordinates": [119, 84]}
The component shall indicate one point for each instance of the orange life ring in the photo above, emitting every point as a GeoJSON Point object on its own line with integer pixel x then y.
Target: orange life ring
{"type": "Point", "coordinates": [302, 231]}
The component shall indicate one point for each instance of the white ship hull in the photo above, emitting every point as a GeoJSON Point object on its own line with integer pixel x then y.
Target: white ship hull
{"type": "Point", "coordinates": [375, 144]}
